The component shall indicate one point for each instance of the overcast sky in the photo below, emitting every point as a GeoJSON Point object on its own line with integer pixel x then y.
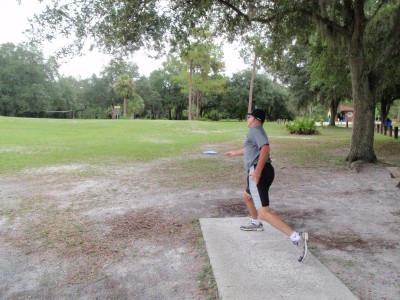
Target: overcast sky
{"type": "Point", "coordinates": [14, 20]}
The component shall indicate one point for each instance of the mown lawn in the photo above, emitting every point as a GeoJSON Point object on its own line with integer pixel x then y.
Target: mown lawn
{"type": "Point", "coordinates": [29, 143]}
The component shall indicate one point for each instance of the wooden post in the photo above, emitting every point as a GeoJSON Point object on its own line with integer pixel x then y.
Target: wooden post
{"type": "Point", "coordinates": [377, 128]}
{"type": "Point", "coordinates": [347, 124]}
{"type": "Point", "coordinates": [396, 132]}
{"type": "Point", "coordinates": [390, 131]}
{"type": "Point", "coordinates": [385, 130]}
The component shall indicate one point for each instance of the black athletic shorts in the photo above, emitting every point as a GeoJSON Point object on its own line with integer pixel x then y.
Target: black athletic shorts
{"type": "Point", "coordinates": [259, 192]}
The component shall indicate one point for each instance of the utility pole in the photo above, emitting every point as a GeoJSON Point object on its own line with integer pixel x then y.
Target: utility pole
{"type": "Point", "coordinates": [253, 72]}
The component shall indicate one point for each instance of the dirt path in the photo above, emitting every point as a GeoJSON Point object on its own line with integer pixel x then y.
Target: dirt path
{"type": "Point", "coordinates": [130, 232]}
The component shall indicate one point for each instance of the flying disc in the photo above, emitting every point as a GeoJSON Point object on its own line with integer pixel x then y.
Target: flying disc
{"type": "Point", "coordinates": [210, 152]}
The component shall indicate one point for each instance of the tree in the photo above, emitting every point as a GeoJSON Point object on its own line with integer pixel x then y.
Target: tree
{"type": "Point", "coordinates": [69, 98]}
{"type": "Point", "coordinates": [26, 79]}
{"type": "Point", "coordinates": [295, 75]}
{"type": "Point", "coordinates": [117, 67]}
{"type": "Point", "coordinates": [200, 62]}
{"type": "Point", "coordinates": [97, 95]}
{"type": "Point", "coordinates": [124, 88]}
{"type": "Point", "coordinates": [150, 96]}
{"type": "Point", "coordinates": [270, 97]}
{"type": "Point", "coordinates": [173, 101]}
{"type": "Point", "coordinates": [267, 95]}
{"type": "Point", "coordinates": [329, 73]}
{"type": "Point", "coordinates": [199, 76]}
{"type": "Point", "coordinates": [136, 105]}
{"type": "Point", "coordinates": [387, 88]}
{"type": "Point", "coordinates": [235, 101]}
{"type": "Point", "coordinates": [114, 27]}
{"type": "Point", "coordinates": [317, 74]}
{"type": "Point", "coordinates": [253, 50]}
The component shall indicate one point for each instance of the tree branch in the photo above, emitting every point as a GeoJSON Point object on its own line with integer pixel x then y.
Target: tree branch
{"type": "Point", "coordinates": [296, 9]}
{"type": "Point", "coordinates": [235, 9]}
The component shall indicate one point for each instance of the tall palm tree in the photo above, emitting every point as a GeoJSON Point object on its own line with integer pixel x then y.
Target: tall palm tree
{"type": "Point", "coordinates": [124, 88]}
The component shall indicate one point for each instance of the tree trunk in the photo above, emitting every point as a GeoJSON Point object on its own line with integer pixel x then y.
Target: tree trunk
{"type": "Point", "coordinates": [384, 113]}
{"type": "Point", "coordinates": [334, 107]}
{"type": "Point", "coordinates": [398, 113]}
{"type": "Point", "coordinates": [124, 106]}
{"type": "Point", "coordinates": [253, 72]}
{"type": "Point", "coordinates": [197, 105]}
{"type": "Point", "coordinates": [362, 139]}
{"type": "Point", "coordinates": [190, 89]}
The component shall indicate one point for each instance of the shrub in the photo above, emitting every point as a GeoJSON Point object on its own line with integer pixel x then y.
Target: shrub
{"type": "Point", "coordinates": [302, 126]}
{"type": "Point", "coordinates": [213, 115]}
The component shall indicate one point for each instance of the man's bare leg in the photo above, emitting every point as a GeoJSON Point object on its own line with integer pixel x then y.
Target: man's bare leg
{"type": "Point", "coordinates": [250, 205]}
{"type": "Point", "coordinates": [264, 213]}
{"type": "Point", "coordinates": [255, 224]}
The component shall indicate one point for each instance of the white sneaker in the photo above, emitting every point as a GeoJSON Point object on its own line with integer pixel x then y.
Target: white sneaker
{"type": "Point", "coordinates": [252, 227]}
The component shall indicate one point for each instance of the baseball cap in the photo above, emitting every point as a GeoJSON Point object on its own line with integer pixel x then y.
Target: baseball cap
{"type": "Point", "coordinates": [259, 114]}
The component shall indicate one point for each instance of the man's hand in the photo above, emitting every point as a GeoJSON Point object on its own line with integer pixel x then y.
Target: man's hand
{"type": "Point", "coordinates": [230, 153]}
{"type": "Point", "coordinates": [236, 152]}
{"type": "Point", "coordinates": [255, 176]}
{"type": "Point", "coordinates": [264, 153]}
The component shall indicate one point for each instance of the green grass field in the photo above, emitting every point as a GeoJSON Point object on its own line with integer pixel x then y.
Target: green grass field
{"type": "Point", "coordinates": [30, 143]}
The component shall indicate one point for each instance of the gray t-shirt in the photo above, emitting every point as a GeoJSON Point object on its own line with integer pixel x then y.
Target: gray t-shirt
{"type": "Point", "coordinates": [255, 139]}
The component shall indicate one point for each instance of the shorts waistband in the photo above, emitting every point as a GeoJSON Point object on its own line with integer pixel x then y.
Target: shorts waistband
{"type": "Point", "coordinates": [255, 166]}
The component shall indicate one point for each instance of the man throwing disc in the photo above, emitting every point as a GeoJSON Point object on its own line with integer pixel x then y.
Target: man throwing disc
{"type": "Point", "coordinates": [260, 176]}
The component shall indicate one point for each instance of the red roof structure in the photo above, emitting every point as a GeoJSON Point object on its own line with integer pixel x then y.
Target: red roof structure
{"type": "Point", "coordinates": [345, 113]}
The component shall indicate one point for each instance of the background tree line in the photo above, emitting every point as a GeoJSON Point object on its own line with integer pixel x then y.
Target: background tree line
{"type": "Point", "coordinates": [30, 86]}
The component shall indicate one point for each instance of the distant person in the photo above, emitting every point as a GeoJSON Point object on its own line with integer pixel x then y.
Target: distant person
{"type": "Point", "coordinates": [260, 177]}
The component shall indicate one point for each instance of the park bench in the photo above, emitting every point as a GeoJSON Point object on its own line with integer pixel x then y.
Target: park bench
{"type": "Point", "coordinates": [395, 173]}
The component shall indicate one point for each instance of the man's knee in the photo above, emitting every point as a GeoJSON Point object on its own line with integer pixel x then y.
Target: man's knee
{"type": "Point", "coordinates": [247, 197]}
{"type": "Point", "coordinates": [263, 212]}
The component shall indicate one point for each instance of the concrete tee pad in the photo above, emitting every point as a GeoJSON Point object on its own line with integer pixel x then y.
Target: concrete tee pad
{"type": "Point", "coordinates": [263, 264]}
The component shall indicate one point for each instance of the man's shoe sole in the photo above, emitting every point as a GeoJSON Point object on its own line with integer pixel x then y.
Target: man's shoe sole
{"type": "Point", "coordinates": [305, 250]}
{"type": "Point", "coordinates": [255, 229]}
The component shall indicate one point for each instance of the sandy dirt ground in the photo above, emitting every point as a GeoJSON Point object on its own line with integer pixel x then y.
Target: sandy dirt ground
{"type": "Point", "coordinates": [130, 231]}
